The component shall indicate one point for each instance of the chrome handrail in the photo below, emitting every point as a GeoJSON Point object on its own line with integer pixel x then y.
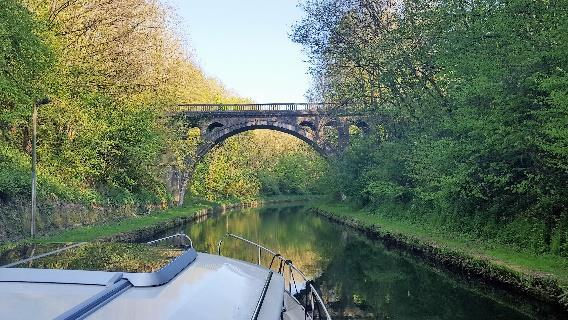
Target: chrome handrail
{"type": "Point", "coordinates": [177, 235]}
{"type": "Point", "coordinates": [312, 292]}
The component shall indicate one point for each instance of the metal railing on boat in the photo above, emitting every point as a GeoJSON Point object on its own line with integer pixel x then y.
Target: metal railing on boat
{"type": "Point", "coordinates": [178, 240]}
{"type": "Point", "coordinates": [313, 304]}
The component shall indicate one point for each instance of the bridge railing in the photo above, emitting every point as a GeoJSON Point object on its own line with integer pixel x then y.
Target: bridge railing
{"type": "Point", "coordinates": [254, 107]}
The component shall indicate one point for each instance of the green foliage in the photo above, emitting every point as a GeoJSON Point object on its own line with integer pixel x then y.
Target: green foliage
{"type": "Point", "coordinates": [23, 59]}
{"type": "Point", "coordinates": [224, 175]}
{"type": "Point", "coordinates": [259, 163]}
{"type": "Point", "coordinates": [102, 138]}
{"type": "Point", "coordinates": [297, 173]}
{"type": "Point", "coordinates": [14, 177]}
{"type": "Point", "coordinates": [473, 102]}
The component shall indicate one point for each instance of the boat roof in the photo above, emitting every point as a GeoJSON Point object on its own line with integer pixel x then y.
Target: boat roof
{"type": "Point", "coordinates": [194, 285]}
{"type": "Point", "coordinates": [213, 287]}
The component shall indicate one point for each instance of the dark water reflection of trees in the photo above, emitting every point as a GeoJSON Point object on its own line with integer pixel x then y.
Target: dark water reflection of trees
{"type": "Point", "coordinates": [359, 277]}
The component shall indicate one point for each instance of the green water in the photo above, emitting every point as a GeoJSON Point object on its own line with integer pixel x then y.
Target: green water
{"type": "Point", "coordinates": [359, 278]}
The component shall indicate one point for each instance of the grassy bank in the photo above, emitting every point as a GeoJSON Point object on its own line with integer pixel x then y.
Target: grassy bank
{"type": "Point", "coordinates": [542, 276]}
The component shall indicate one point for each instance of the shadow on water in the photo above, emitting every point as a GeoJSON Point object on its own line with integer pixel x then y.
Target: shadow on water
{"type": "Point", "coordinates": [359, 278]}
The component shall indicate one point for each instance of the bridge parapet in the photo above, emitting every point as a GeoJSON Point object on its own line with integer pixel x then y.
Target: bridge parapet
{"type": "Point", "coordinates": [256, 107]}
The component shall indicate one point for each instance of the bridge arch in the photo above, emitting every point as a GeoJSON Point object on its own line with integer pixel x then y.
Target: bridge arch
{"type": "Point", "coordinates": [214, 126]}
{"type": "Point", "coordinates": [220, 135]}
{"type": "Point", "coordinates": [308, 124]}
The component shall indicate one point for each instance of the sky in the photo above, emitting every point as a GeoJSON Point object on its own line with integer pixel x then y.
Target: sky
{"type": "Point", "coordinates": [246, 45]}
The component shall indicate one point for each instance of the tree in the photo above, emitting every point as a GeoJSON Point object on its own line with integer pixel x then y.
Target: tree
{"type": "Point", "coordinates": [24, 60]}
{"type": "Point", "coordinates": [474, 98]}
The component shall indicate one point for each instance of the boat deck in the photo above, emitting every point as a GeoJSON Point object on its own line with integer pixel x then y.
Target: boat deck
{"type": "Point", "coordinates": [294, 311]}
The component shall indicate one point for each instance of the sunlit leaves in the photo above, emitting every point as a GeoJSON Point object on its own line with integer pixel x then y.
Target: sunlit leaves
{"type": "Point", "coordinates": [112, 70]}
{"type": "Point", "coordinates": [259, 162]}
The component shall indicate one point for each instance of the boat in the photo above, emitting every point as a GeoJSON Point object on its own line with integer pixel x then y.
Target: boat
{"type": "Point", "coordinates": [192, 285]}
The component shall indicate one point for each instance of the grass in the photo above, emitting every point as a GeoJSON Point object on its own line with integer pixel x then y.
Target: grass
{"type": "Point", "coordinates": [553, 266]}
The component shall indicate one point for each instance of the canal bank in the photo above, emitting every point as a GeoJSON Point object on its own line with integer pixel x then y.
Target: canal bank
{"type": "Point", "coordinates": [514, 271]}
{"type": "Point", "coordinates": [145, 226]}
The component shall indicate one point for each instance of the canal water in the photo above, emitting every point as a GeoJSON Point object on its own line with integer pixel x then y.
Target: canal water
{"type": "Point", "coordinates": [359, 278]}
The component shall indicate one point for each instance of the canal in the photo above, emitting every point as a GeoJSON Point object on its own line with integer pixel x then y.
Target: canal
{"type": "Point", "coordinates": [359, 278]}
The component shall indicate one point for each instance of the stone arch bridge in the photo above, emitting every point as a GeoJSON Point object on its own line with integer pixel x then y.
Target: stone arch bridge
{"type": "Point", "coordinates": [322, 126]}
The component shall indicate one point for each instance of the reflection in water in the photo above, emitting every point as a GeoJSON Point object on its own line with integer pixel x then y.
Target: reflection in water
{"type": "Point", "coordinates": [98, 256]}
{"type": "Point", "coordinates": [359, 278]}
{"type": "Point", "coordinates": [11, 254]}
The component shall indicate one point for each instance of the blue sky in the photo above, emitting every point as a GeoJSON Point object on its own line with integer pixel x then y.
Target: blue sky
{"type": "Point", "coordinates": [245, 44]}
